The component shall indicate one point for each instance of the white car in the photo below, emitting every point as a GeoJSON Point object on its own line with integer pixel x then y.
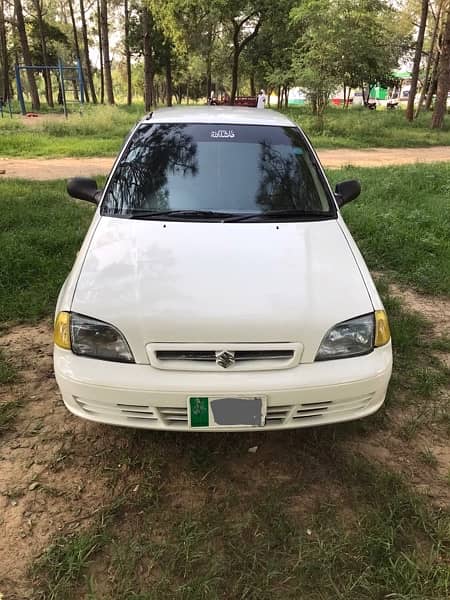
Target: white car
{"type": "Point", "coordinates": [218, 288]}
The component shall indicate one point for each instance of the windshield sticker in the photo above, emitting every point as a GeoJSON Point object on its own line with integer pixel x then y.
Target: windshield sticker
{"type": "Point", "coordinates": [222, 133]}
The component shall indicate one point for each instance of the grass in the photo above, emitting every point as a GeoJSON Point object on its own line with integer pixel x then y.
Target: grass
{"type": "Point", "coordinates": [100, 131]}
{"type": "Point", "coordinates": [365, 535]}
{"type": "Point", "coordinates": [362, 128]}
{"type": "Point", "coordinates": [401, 222]}
{"type": "Point", "coordinates": [8, 373]}
{"type": "Point", "coordinates": [40, 232]}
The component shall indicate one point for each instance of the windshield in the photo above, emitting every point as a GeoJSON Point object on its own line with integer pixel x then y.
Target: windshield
{"type": "Point", "coordinates": [210, 168]}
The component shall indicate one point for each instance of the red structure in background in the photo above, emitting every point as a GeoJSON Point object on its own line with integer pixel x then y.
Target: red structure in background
{"type": "Point", "coordinates": [250, 101]}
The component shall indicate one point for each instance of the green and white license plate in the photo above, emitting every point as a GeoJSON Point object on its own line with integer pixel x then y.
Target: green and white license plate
{"type": "Point", "coordinates": [214, 412]}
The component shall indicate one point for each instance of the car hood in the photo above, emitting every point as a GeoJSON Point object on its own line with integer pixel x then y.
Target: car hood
{"type": "Point", "coordinates": [220, 282]}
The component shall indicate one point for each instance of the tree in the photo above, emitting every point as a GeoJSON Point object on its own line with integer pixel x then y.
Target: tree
{"type": "Point", "coordinates": [127, 50]}
{"type": "Point", "coordinates": [38, 5]}
{"type": "Point", "coordinates": [346, 42]}
{"type": "Point", "coordinates": [87, 60]}
{"type": "Point", "coordinates": [245, 29]}
{"type": "Point", "coordinates": [149, 71]}
{"type": "Point", "coordinates": [417, 59]}
{"type": "Point", "coordinates": [105, 51]}
{"type": "Point", "coordinates": [4, 59]}
{"type": "Point", "coordinates": [432, 56]}
{"type": "Point", "coordinates": [77, 46]}
{"type": "Point", "coordinates": [20, 22]}
{"type": "Point", "coordinates": [443, 82]}
{"type": "Point", "coordinates": [100, 47]}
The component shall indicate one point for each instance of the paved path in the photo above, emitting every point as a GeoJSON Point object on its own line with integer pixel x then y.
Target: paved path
{"type": "Point", "coordinates": [62, 168]}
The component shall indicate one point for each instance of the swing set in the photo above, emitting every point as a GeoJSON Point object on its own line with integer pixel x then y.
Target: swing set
{"type": "Point", "coordinates": [69, 79]}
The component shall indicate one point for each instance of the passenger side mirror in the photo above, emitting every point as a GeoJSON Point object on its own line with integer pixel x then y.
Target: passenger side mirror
{"type": "Point", "coordinates": [84, 188]}
{"type": "Point", "coordinates": [346, 191]}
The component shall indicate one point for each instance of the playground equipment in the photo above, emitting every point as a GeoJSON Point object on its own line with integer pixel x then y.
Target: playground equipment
{"type": "Point", "coordinates": [64, 75]}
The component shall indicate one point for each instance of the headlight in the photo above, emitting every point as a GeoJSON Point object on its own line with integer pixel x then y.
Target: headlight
{"type": "Point", "coordinates": [90, 337]}
{"type": "Point", "coordinates": [350, 338]}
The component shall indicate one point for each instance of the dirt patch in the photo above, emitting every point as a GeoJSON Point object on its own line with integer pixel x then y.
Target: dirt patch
{"type": "Point", "coordinates": [50, 481]}
{"type": "Point", "coordinates": [62, 168]}
{"type": "Point", "coordinates": [409, 458]}
{"type": "Point", "coordinates": [434, 308]}
{"type": "Point", "coordinates": [54, 168]}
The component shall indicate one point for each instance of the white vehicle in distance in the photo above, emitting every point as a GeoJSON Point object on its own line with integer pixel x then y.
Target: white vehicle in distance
{"type": "Point", "coordinates": [218, 288]}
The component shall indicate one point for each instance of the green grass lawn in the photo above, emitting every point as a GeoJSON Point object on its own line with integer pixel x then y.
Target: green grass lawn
{"type": "Point", "coordinates": [198, 517]}
{"type": "Point", "coordinates": [40, 232]}
{"type": "Point", "coordinates": [402, 222]}
{"type": "Point", "coordinates": [362, 128]}
{"type": "Point", "coordinates": [102, 129]}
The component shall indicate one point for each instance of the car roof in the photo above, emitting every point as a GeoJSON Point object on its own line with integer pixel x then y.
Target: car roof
{"type": "Point", "coordinates": [233, 115]}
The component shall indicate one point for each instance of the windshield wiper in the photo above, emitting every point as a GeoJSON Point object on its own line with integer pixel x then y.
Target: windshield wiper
{"type": "Point", "coordinates": [303, 215]}
{"type": "Point", "coordinates": [175, 214]}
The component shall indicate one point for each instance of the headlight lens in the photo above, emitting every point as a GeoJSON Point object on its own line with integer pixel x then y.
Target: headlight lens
{"type": "Point", "coordinates": [350, 338]}
{"type": "Point", "coordinates": [96, 339]}
{"type": "Point", "coordinates": [382, 330]}
{"type": "Point", "coordinates": [61, 333]}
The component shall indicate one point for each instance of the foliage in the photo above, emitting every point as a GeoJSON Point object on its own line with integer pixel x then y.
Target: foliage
{"type": "Point", "coordinates": [346, 42]}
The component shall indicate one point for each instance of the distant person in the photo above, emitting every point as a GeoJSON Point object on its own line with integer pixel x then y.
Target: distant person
{"type": "Point", "coordinates": [261, 99]}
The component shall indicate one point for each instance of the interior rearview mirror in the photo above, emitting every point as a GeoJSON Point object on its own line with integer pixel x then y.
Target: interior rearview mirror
{"type": "Point", "coordinates": [84, 188]}
{"type": "Point", "coordinates": [346, 191]}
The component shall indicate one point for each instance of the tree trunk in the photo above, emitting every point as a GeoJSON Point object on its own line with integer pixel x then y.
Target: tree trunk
{"type": "Point", "coordinates": [105, 50]}
{"type": "Point", "coordinates": [87, 60]}
{"type": "Point", "coordinates": [443, 79]}
{"type": "Point", "coordinates": [46, 73]}
{"type": "Point", "coordinates": [128, 52]}
{"type": "Point", "coordinates": [426, 79]}
{"type": "Point", "coordinates": [100, 45]}
{"type": "Point", "coordinates": [252, 85]}
{"type": "Point", "coordinates": [148, 60]}
{"type": "Point", "coordinates": [77, 47]}
{"type": "Point", "coordinates": [286, 96]}
{"type": "Point", "coordinates": [4, 63]}
{"type": "Point", "coordinates": [234, 75]}
{"type": "Point", "coordinates": [238, 46]}
{"type": "Point", "coordinates": [35, 102]}
{"type": "Point", "coordinates": [417, 58]}
{"type": "Point", "coordinates": [208, 66]}
{"type": "Point", "coordinates": [169, 91]}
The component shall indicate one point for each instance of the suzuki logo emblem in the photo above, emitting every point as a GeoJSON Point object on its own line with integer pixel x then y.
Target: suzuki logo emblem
{"type": "Point", "coordinates": [225, 359]}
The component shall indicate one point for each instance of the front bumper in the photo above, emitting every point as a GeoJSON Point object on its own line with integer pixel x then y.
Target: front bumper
{"type": "Point", "coordinates": [144, 397]}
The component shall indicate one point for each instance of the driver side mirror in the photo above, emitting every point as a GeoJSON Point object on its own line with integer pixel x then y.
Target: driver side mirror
{"type": "Point", "coordinates": [84, 188]}
{"type": "Point", "coordinates": [346, 191]}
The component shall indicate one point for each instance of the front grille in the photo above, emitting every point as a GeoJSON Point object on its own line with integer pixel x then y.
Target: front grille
{"type": "Point", "coordinates": [240, 357]}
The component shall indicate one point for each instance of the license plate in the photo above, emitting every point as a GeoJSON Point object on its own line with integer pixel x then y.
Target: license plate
{"type": "Point", "coordinates": [216, 412]}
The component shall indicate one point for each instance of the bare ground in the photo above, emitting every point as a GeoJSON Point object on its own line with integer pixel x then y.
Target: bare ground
{"type": "Point", "coordinates": [57, 471]}
{"type": "Point", "coordinates": [62, 168]}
